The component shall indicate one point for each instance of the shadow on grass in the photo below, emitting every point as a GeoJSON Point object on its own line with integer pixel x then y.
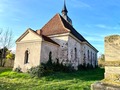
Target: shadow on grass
{"type": "Point", "coordinates": [4, 69]}
{"type": "Point", "coordinates": [79, 80]}
{"type": "Point", "coordinates": [85, 75]}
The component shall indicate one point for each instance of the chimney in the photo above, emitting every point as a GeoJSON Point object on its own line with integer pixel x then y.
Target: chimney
{"type": "Point", "coordinates": [38, 32]}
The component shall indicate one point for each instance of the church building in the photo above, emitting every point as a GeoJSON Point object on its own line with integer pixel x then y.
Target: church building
{"type": "Point", "coordinates": [57, 38]}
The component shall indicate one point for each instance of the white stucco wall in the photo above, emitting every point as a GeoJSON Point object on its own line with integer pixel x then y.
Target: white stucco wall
{"type": "Point", "coordinates": [34, 49]}
{"type": "Point", "coordinates": [30, 36]}
{"type": "Point", "coordinates": [48, 47]}
{"type": "Point", "coordinates": [31, 42]}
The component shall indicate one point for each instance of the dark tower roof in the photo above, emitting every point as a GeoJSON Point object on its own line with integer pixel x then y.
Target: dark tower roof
{"type": "Point", "coordinates": [64, 14]}
{"type": "Point", "coordinates": [64, 8]}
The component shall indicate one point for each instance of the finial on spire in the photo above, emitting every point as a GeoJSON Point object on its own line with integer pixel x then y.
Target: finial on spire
{"type": "Point", "coordinates": [64, 14]}
{"type": "Point", "coordinates": [64, 10]}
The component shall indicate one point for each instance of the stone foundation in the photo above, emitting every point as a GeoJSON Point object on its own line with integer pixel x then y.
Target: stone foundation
{"type": "Point", "coordinates": [112, 73]}
{"type": "Point", "coordinates": [101, 86]}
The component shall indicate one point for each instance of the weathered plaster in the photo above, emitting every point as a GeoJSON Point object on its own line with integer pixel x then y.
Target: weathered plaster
{"type": "Point", "coordinates": [48, 47]}
{"type": "Point", "coordinates": [72, 45]}
{"type": "Point", "coordinates": [70, 50]}
{"type": "Point", "coordinates": [92, 55]}
{"type": "Point", "coordinates": [63, 48]}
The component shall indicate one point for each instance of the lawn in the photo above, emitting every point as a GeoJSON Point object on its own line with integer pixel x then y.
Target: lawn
{"type": "Point", "coordinates": [80, 80]}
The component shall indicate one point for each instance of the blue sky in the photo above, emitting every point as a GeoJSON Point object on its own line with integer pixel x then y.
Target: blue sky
{"type": "Point", "coordinates": [94, 19]}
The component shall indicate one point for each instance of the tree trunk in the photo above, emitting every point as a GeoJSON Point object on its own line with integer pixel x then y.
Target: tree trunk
{"type": "Point", "coordinates": [3, 52]}
{"type": "Point", "coordinates": [1, 62]}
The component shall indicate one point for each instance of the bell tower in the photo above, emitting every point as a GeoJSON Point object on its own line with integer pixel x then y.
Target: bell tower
{"type": "Point", "coordinates": [64, 14]}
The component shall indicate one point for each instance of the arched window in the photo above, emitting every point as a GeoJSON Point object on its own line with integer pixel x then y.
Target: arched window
{"type": "Point", "coordinates": [84, 62]}
{"type": "Point", "coordinates": [88, 55]}
{"type": "Point", "coordinates": [75, 53]}
{"type": "Point", "coordinates": [50, 57]}
{"type": "Point", "coordinates": [91, 58]}
{"type": "Point", "coordinates": [26, 56]}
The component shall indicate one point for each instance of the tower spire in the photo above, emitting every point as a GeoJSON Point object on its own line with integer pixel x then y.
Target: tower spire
{"type": "Point", "coordinates": [64, 14]}
{"type": "Point", "coordinates": [64, 10]}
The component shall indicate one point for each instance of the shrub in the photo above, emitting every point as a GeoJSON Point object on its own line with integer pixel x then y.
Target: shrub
{"type": "Point", "coordinates": [66, 67]}
{"type": "Point", "coordinates": [49, 67]}
{"type": "Point", "coordinates": [18, 69]}
{"type": "Point", "coordinates": [89, 66]}
{"type": "Point", "coordinates": [84, 67]}
{"type": "Point", "coordinates": [37, 71]}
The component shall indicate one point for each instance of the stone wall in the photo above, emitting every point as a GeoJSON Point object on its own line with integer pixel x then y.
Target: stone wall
{"type": "Point", "coordinates": [112, 62]}
{"type": "Point", "coordinates": [62, 40]}
{"type": "Point", "coordinates": [112, 54]}
{"type": "Point", "coordinates": [46, 48]}
{"type": "Point", "coordinates": [101, 86]}
{"type": "Point", "coordinates": [90, 55]}
{"type": "Point", "coordinates": [74, 52]}
{"type": "Point", "coordinates": [112, 48]}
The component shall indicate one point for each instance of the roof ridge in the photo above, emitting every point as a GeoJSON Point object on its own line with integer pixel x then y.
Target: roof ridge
{"type": "Point", "coordinates": [72, 27]}
{"type": "Point", "coordinates": [50, 20]}
{"type": "Point", "coordinates": [62, 22]}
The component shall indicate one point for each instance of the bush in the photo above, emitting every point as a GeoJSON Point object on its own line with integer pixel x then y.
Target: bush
{"type": "Point", "coordinates": [37, 71]}
{"type": "Point", "coordinates": [18, 69]}
{"type": "Point", "coordinates": [67, 67]}
{"type": "Point", "coordinates": [48, 68]}
{"type": "Point", "coordinates": [84, 67]}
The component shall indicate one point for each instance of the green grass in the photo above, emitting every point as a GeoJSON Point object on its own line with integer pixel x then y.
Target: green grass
{"type": "Point", "coordinates": [80, 80]}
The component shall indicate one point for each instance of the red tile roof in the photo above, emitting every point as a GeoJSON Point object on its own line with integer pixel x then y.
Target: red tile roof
{"type": "Point", "coordinates": [54, 26]}
{"type": "Point", "coordinates": [58, 25]}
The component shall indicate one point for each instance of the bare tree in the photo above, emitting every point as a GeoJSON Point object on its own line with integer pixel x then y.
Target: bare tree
{"type": "Point", "coordinates": [6, 41]}
{"type": "Point", "coordinates": [0, 34]}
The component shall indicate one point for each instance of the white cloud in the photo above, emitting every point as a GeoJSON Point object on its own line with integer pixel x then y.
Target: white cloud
{"type": "Point", "coordinates": [79, 4]}
{"type": "Point", "coordinates": [107, 27]}
{"type": "Point", "coordinates": [103, 26]}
